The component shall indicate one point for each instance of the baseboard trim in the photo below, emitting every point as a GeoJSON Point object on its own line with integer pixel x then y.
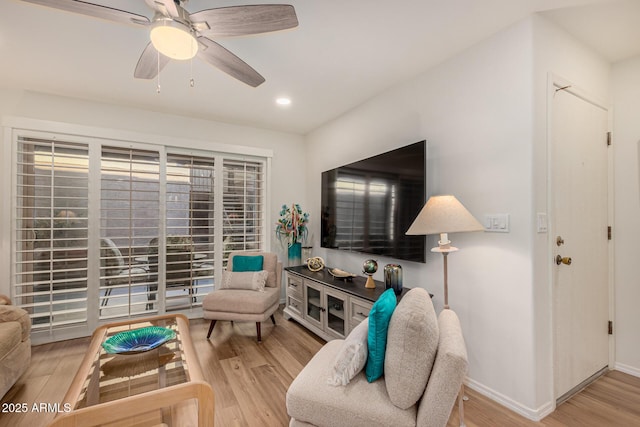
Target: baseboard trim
{"type": "Point", "coordinates": [627, 369]}
{"type": "Point", "coordinates": [532, 414]}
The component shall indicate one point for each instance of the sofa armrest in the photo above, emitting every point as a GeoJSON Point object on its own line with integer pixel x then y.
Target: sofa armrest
{"type": "Point", "coordinates": [447, 375]}
{"type": "Point", "coordinates": [11, 313]}
{"type": "Point", "coordinates": [5, 300]}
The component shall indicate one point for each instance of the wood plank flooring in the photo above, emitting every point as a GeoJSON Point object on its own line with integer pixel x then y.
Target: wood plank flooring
{"type": "Point", "coordinates": [250, 381]}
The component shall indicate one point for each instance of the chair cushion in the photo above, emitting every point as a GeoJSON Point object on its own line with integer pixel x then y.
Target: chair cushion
{"type": "Point", "coordinates": [379, 317]}
{"type": "Point", "coordinates": [352, 356]}
{"type": "Point", "coordinates": [269, 263]}
{"type": "Point", "coordinates": [412, 342]}
{"type": "Point", "coordinates": [250, 280]}
{"type": "Point", "coordinates": [247, 263]}
{"type": "Point", "coordinates": [240, 301]}
{"type": "Point", "coordinates": [358, 404]}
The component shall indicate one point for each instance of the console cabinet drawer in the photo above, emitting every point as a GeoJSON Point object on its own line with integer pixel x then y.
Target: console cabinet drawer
{"type": "Point", "coordinates": [294, 286]}
{"type": "Point", "coordinates": [295, 305]}
{"type": "Point", "coordinates": [359, 311]}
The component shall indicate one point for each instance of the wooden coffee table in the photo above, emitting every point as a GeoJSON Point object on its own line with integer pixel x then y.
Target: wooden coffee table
{"type": "Point", "coordinates": [163, 386]}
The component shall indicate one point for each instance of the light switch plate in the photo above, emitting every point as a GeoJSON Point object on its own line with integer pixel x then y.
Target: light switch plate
{"type": "Point", "coordinates": [541, 222]}
{"type": "Point", "coordinates": [496, 223]}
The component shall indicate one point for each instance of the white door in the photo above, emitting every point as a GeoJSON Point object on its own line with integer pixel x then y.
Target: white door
{"type": "Point", "coordinates": [579, 182]}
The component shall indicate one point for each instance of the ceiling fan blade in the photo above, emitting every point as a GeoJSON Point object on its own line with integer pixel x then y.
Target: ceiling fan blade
{"type": "Point", "coordinates": [244, 20]}
{"type": "Point", "coordinates": [149, 63]}
{"type": "Point", "coordinates": [226, 61]}
{"type": "Point", "coordinates": [166, 7]}
{"type": "Point", "coordinates": [95, 10]}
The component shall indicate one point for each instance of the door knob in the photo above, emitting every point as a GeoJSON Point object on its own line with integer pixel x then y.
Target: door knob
{"type": "Point", "coordinates": [563, 260]}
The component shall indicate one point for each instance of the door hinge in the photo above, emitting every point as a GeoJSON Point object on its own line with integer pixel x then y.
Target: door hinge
{"type": "Point", "coordinates": [609, 232]}
{"type": "Point", "coordinates": [608, 138]}
{"type": "Point", "coordinates": [610, 327]}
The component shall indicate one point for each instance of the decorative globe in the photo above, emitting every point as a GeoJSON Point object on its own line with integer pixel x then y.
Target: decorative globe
{"type": "Point", "coordinates": [370, 266]}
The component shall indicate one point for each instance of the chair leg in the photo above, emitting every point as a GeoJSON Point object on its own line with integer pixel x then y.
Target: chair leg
{"type": "Point", "coordinates": [258, 331]}
{"type": "Point", "coordinates": [461, 406]}
{"type": "Point", "coordinates": [273, 319]}
{"type": "Point", "coordinates": [213, 323]}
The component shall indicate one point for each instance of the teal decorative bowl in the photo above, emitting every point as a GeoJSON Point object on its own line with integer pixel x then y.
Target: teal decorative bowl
{"type": "Point", "coordinates": [138, 340]}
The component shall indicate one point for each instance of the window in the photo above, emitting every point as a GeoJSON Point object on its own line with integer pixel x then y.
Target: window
{"type": "Point", "coordinates": [129, 223]}
{"type": "Point", "coordinates": [190, 239]}
{"type": "Point", "coordinates": [105, 230]}
{"type": "Point", "coordinates": [243, 214]}
{"type": "Point", "coordinates": [51, 239]}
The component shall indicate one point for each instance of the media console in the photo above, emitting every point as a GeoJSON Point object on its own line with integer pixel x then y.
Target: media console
{"type": "Point", "coordinates": [328, 306]}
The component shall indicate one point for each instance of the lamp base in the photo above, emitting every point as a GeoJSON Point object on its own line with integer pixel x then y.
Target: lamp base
{"type": "Point", "coordinates": [445, 252]}
{"type": "Point", "coordinates": [370, 283]}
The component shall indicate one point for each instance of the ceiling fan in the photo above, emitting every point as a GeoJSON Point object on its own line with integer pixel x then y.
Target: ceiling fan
{"type": "Point", "coordinates": [177, 34]}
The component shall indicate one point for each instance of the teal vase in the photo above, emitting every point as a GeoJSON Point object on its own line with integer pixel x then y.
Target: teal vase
{"type": "Point", "coordinates": [295, 254]}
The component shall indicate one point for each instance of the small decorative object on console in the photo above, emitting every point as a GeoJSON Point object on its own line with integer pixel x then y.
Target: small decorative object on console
{"type": "Point", "coordinates": [341, 274]}
{"type": "Point", "coordinates": [369, 268]}
{"type": "Point", "coordinates": [138, 340]}
{"type": "Point", "coordinates": [393, 278]}
{"type": "Point", "coordinates": [315, 263]}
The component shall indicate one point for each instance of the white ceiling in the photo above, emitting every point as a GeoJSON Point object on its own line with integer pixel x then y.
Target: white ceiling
{"type": "Point", "coordinates": [342, 53]}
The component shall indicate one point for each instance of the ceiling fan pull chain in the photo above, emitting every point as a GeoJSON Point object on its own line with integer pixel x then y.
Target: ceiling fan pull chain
{"type": "Point", "coordinates": [158, 86]}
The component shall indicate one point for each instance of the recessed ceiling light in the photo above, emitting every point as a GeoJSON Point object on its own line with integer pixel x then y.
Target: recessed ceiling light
{"type": "Point", "coordinates": [283, 101]}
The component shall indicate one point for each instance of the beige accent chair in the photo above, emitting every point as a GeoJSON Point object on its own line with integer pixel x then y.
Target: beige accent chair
{"type": "Point", "coordinates": [246, 305]}
{"type": "Point", "coordinates": [15, 343]}
{"type": "Point", "coordinates": [311, 401]}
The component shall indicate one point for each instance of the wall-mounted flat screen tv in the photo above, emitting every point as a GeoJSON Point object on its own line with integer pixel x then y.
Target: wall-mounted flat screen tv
{"type": "Point", "coordinates": [368, 206]}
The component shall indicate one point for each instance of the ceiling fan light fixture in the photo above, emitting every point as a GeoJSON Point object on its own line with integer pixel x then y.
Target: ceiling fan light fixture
{"type": "Point", "coordinates": [173, 39]}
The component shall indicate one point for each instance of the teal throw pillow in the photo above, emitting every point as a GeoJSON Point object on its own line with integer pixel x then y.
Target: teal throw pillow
{"type": "Point", "coordinates": [247, 263]}
{"type": "Point", "coordinates": [379, 318]}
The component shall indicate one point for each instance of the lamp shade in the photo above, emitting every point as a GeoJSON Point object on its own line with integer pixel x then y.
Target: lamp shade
{"type": "Point", "coordinates": [443, 214]}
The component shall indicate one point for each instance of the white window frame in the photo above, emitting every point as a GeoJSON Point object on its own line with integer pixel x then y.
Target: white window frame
{"type": "Point", "coordinates": [14, 126]}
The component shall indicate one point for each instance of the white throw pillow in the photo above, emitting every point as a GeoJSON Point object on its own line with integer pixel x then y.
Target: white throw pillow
{"type": "Point", "coordinates": [352, 356]}
{"type": "Point", "coordinates": [249, 280]}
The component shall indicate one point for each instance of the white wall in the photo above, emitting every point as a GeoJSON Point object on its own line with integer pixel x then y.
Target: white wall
{"type": "Point", "coordinates": [555, 53]}
{"type": "Point", "coordinates": [288, 149]}
{"type": "Point", "coordinates": [476, 112]}
{"type": "Point", "coordinates": [484, 114]}
{"type": "Point", "coordinates": [626, 146]}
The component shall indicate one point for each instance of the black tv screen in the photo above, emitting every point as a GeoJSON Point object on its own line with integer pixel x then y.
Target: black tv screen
{"type": "Point", "coordinates": [368, 206]}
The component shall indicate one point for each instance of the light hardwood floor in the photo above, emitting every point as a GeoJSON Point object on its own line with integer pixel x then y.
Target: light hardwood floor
{"type": "Point", "coordinates": [250, 380]}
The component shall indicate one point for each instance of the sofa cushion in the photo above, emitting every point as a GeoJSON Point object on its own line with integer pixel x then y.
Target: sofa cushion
{"type": "Point", "coordinates": [379, 317]}
{"type": "Point", "coordinates": [249, 280]}
{"type": "Point", "coordinates": [269, 263]}
{"type": "Point", "coordinates": [358, 404]}
{"type": "Point", "coordinates": [412, 342]}
{"type": "Point", "coordinates": [11, 313]}
{"type": "Point", "coordinates": [10, 333]}
{"type": "Point", "coordinates": [352, 356]}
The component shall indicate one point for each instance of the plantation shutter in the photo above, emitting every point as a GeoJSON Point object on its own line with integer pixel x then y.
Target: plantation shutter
{"type": "Point", "coordinates": [129, 229]}
{"type": "Point", "coordinates": [243, 205]}
{"type": "Point", "coordinates": [51, 239]}
{"type": "Point", "coordinates": [190, 230]}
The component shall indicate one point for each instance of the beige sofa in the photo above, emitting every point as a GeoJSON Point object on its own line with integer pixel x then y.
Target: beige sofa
{"type": "Point", "coordinates": [312, 401]}
{"type": "Point", "coordinates": [15, 343]}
